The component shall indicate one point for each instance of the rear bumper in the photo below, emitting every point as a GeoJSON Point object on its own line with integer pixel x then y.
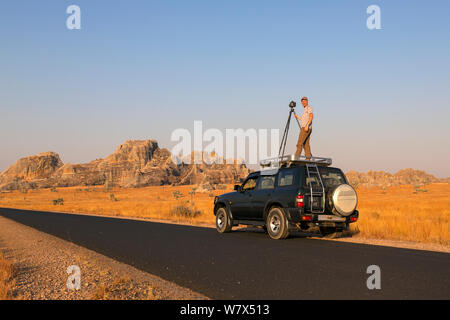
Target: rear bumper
{"type": "Point", "coordinates": [296, 215]}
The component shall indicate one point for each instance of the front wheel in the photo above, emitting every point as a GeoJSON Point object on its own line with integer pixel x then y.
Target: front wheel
{"type": "Point", "coordinates": [223, 221]}
{"type": "Point", "coordinates": [277, 224]}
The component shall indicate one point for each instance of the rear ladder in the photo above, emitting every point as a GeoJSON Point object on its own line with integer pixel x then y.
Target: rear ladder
{"type": "Point", "coordinates": [316, 190]}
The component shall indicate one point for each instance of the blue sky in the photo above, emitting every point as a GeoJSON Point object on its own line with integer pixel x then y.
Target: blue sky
{"type": "Point", "coordinates": [141, 69]}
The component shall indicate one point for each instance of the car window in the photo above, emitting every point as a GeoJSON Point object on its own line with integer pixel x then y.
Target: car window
{"type": "Point", "coordinates": [286, 178]}
{"type": "Point", "coordinates": [314, 181]}
{"type": "Point", "coordinates": [250, 184]}
{"type": "Point", "coordinates": [266, 182]}
{"type": "Point", "coordinates": [332, 177]}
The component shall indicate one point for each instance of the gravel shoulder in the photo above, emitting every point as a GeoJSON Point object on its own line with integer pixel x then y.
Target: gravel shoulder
{"type": "Point", "coordinates": [41, 261]}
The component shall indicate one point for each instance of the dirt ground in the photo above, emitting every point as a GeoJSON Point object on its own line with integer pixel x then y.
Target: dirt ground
{"type": "Point", "coordinates": [41, 261]}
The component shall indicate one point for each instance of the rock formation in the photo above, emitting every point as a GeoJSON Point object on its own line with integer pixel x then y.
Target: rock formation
{"type": "Point", "coordinates": [141, 163]}
{"type": "Point", "coordinates": [29, 171]}
{"type": "Point", "coordinates": [136, 163]}
{"type": "Point", "coordinates": [381, 178]}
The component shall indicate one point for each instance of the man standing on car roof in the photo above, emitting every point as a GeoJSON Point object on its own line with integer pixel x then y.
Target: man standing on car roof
{"type": "Point", "coordinates": [305, 130]}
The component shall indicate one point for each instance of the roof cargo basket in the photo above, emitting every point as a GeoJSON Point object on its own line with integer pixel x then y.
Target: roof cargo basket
{"type": "Point", "coordinates": [289, 160]}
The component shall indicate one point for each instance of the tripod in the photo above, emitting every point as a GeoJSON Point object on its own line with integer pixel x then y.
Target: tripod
{"type": "Point", "coordinates": [286, 132]}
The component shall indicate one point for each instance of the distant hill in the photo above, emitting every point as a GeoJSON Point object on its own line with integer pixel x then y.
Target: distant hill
{"type": "Point", "coordinates": [140, 163]}
{"type": "Point", "coordinates": [382, 178]}
{"type": "Point", "coordinates": [137, 163]}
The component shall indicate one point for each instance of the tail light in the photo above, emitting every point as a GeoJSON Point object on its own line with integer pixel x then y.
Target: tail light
{"type": "Point", "coordinates": [299, 201]}
{"type": "Point", "coordinates": [306, 218]}
{"type": "Point", "coordinates": [353, 219]}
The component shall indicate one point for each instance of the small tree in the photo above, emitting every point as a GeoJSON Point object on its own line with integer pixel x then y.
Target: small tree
{"type": "Point", "coordinates": [108, 185]}
{"type": "Point", "coordinates": [192, 193]}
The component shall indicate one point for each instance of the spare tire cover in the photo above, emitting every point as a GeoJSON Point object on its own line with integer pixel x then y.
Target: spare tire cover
{"type": "Point", "coordinates": [344, 199]}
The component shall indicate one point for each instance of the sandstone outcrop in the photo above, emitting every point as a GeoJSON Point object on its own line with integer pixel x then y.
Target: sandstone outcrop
{"type": "Point", "coordinates": [29, 171]}
{"type": "Point", "coordinates": [140, 163]}
{"type": "Point", "coordinates": [384, 179]}
{"type": "Point", "coordinates": [136, 163]}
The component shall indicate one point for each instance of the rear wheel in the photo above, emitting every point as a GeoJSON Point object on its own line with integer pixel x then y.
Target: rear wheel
{"type": "Point", "coordinates": [223, 221]}
{"type": "Point", "coordinates": [330, 232]}
{"type": "Point", "coordinates": [277, 224]}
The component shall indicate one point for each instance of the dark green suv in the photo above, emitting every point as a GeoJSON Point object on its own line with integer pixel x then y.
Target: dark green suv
{"type": "Point", "coordinates": [294, 197]}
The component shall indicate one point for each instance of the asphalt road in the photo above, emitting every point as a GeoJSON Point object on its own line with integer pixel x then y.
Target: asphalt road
{"type": "Point", "coordinates": [248, 265]}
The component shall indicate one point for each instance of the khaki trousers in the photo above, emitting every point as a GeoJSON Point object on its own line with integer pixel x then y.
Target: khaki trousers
{"type": "Point", "coordinates": [303, 141]}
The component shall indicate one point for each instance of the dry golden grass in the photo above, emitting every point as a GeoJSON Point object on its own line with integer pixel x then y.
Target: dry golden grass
{"type": "Point", "coordinates": [6, 279]}
{"type": "Point", "coordinates": [149, 202]}
{"type": "Point", "coordinates": [401, 213]}
{"type": "Point", "coordinates": [394, 213]}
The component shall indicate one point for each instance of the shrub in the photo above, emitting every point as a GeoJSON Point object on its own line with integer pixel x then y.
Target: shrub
{"type": "Point", "coordinates": [417, 188]}
{"type": "Point", "coordinates": [59, 201]}
{"type": "Point", "coordinates": [112, 197]}
{"type": "Point", "coordinates": [177, 194]}
{"type": "Point", "coordinates": [53, 189]}
{"type": "Point", "coordinates": [184, 211]}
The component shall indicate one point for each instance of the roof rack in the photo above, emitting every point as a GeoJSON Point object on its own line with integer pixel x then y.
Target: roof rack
{"type": "Point", "coordinates": [288, 160]}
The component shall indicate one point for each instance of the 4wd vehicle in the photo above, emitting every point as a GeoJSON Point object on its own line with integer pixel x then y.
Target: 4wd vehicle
{"type": "Point", "coordinates": [296, 193]}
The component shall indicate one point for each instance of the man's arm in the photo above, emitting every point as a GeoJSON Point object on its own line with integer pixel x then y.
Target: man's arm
{"type": "Point", "coordinates": [311, 116]}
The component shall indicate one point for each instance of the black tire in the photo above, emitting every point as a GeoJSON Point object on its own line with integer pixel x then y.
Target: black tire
{"type": "Point", "coordinates": [224, 223]}
{"type": "Point", "coordinates": [330, 232]}
{"type": "Point", "coordinates": [277, 224]}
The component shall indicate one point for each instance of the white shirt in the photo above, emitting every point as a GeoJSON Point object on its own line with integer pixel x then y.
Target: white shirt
{"type": "Point", "coordinates": [305, 116]}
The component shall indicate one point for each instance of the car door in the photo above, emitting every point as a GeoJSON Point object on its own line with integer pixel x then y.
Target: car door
{"type": "Point", "coordinates": [241, 205]}
{"type": "Point", "coordinates": [261, 195]}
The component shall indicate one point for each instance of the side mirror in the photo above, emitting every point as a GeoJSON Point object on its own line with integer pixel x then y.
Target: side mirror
{"type": "Point", "coordinates": [237, 188]}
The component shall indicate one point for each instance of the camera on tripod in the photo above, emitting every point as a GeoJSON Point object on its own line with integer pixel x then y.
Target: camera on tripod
{"type": "Point", "coordinates": [292, 105]}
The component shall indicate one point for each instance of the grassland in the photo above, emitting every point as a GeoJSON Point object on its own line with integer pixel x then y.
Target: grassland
{"type": "Point", "coordinates": [405, 213]}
